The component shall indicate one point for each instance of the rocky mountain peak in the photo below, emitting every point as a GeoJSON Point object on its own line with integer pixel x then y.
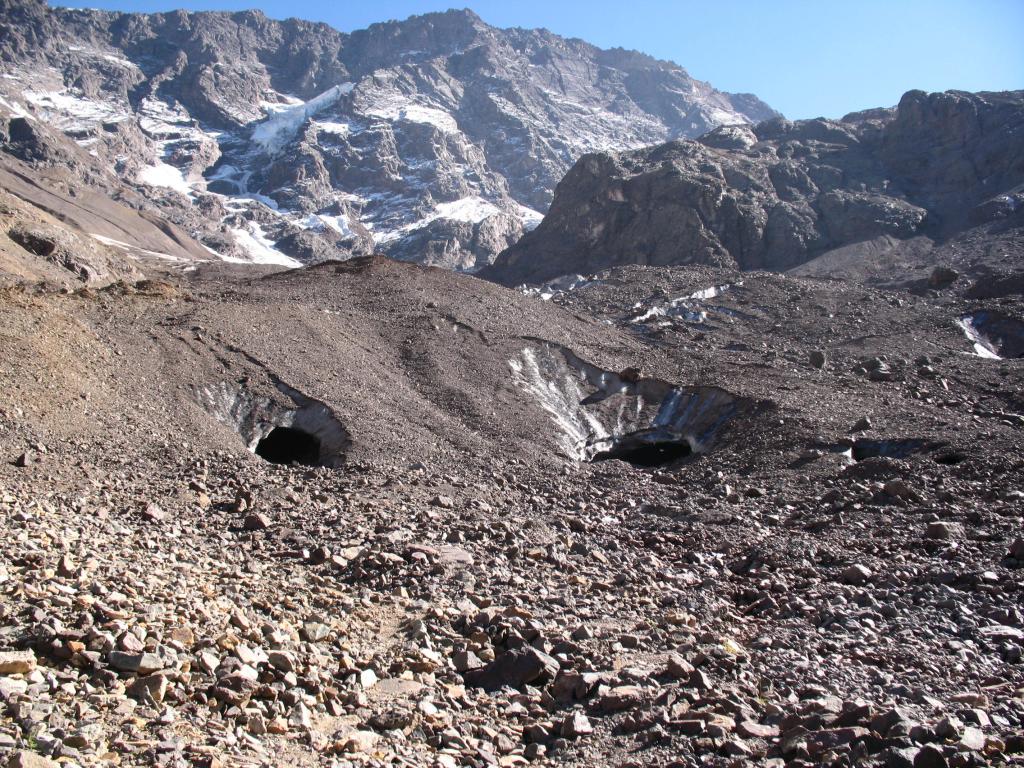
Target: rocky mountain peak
{"type": "Point", "coordinates": [437, 139]}
{"type": "Point", "coordinates": [421, 37]}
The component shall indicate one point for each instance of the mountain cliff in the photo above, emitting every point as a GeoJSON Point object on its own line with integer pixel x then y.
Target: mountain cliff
{"type": "Point", "coordinates": [437, 139]}
{"type": "Point", "coordinates": [779, 194]}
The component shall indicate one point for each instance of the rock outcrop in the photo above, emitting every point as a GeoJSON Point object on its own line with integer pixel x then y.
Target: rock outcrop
{"type": "Point", "coordinates": [781, 193]}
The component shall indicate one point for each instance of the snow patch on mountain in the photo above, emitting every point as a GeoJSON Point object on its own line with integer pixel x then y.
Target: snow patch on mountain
{"type": "Point", "coordinates": [339, 129]}
{"type": "Point", "coordinates": [15, 109]}
{"type": "Point", "coordinates": [132, 251]}
{"type": "Point", "coordinates": [260, 248]}
{"type": "Point", "coordinates": [163, 175]}
{"type": "Point", "coordinates": [160, 119]}
{"type": "Point", "coordinates": [71, 113]}
{"type": "Point", "coordinates": [338, 223]}
{"type": "Point", "coordinates": [320, 222]}
{"type": "Point", "coordinates": [122, 62]}
{"type": "Point", "coordinates": [398, 108]}
{"type": "Point", "coordinates": [277, 130]}
{"type": "Point", "coordinates": [531, 218]}
{"type": "Point", "coordinates": [472, 210]}
{"type": "Point", "coordinates": [387, 131]}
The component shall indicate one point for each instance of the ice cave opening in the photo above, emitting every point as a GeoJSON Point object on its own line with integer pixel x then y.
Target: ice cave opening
{"type": "Point", "coordinates": [646, 454]}
{"type": "Point", "coordinates": [288, 445]}
{"type": "Point", "coordinates": [307, 432]}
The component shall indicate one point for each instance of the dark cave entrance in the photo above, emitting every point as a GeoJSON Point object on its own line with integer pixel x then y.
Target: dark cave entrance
{"type": "Point", "coordinates": [952, 458]}
{"type": "Point", "coordinates": [287, 445]}
{"type": "Point", "coordinates": [891, 449]}
{"type": "Point", "coordinates": [646, 454]}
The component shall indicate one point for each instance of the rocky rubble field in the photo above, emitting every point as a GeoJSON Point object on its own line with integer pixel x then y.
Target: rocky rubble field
{"type": "Point", "coordinates": [834, 579]}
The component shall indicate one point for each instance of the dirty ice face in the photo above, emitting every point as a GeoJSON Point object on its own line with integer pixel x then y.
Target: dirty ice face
{"type": "Point", "coordinates": [995, 335]}
{"type": "Point", "coordinates": [307, 433]}
{"type": "Point", "coordinates": [982, 346]}
{"type": "Point", "coordinates": [601, 414]}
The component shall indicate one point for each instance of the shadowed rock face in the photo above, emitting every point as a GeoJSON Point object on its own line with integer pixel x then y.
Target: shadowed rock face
{"type": "Point", "coordinates": [438, 139]}
{"type": "Point", "coordinates": [779, 194]}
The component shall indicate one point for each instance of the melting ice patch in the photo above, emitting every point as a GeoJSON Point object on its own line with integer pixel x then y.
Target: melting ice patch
{"type": "Point", "coordinates": [559, 286]}
{"type": "Point", "coordinates": [687, 307]}
{"type": "Point", "coordinates": [164, 175]}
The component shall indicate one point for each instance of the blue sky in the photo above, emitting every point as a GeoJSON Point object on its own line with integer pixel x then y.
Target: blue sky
{"type": "Point", "coordinates": [806, 58]}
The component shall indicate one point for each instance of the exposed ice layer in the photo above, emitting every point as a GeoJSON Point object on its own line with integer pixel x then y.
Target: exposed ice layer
{"type": "Point", "coordinates": [709, 293]}
{"type": "Point", "coordinates": [278, 129]}
{"type": "Point", "coordinates": [995, 334]}
{"type": "Point", "coordinates": [557, 390]}
{"type": "Point", "coordinates": [259, 248]}
{"type": "Point", "coordinates": [982, 346]}
{"type": "Point", "coordinates": [254, 417]}
{"type": "Point", "coordinates": [622, 409]}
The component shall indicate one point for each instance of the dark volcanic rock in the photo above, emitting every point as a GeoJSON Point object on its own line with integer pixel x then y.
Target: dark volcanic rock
{"type": "Point", "coordinates": [777, 195]}
{"type": "Point", "coordinates": [515, 669]}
